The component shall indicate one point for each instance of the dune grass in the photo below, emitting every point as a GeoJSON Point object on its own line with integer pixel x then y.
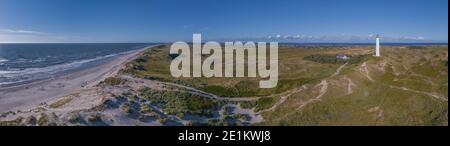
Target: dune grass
{"type": "Point", "coordinates": [294, 71]}
{"type": "Point", "coordinates": [423, 69]}
{"type": "Point", "coordinates": [375, 102]}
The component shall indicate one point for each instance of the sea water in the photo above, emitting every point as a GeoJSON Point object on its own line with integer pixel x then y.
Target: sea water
{"type": "Point", "coordinates": [24, 63]}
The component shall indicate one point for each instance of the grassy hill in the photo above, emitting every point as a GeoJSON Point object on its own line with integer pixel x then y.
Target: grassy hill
{"type": "Point", "coordinates": [403, 87]}
{"type": "Point", "coordinates": [294, 71]}
{"type": "Point", "coordinates": [406, 86]}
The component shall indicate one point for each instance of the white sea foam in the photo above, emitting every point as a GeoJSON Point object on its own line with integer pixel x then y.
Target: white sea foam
{"type": "Point", "coordinates": [3, 60]}
{"type": "Point", "coordinates": [36, 73]}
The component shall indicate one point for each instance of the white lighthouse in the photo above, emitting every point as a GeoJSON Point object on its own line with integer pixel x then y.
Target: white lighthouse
{"type": "Point", "coordinates": [377, 48]}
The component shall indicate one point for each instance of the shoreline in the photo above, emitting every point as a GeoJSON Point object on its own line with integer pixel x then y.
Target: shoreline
{"type": "Point", "coordinates": [40, 92]}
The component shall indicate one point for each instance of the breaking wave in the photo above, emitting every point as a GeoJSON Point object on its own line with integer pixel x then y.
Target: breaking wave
{"type": "Point", "coordinates": [12, 76]}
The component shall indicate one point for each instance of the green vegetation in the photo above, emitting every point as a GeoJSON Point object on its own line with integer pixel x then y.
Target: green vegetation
{"type": "Point", "coordinates": [294, 71]}
{"type": "Point", "coordinates": [417, 47]}
{"type": "Point", "coordinates": [265, 103]}
{"type": "Point", "coordinates": [405, 86]}
{"type": "Point", "coordinates": [15, 122]}
{"type": "Point", "coordinates": [419, 73]}
{"type": "Point", "coordinates": [114, 81]}
{"type": "Point", "coordinates": [247, 104]}
{"type": "Point", "coordinates": [94, 118]}
{"type": "Point", "coordinates": [332, 59]}
{"type": "Point", "coordinates": [60, 103]}
{"type": "Point", "coordinates": [44, 120]}
{"type": "Point", "coordinates": [31, 120]}
{"type": "Point", "coordinates": [74, 118]}
{"type": "Point", "coordinates": [228, 110]}
{"type": "Point", "coordinates": [127, 109]}
{"type": "Point", "coordinates": [243, 117]}
{"type": "Point", "coordinates": [180, 103]}
{"type": "Point", "coordinates": [383, 106]}
{"type": "Point", "coordinates": [146, 108]}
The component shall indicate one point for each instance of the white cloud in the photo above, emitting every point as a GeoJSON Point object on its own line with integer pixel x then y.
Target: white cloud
{"type": "Point", "coordinates": [344, 38]}
{"type": "Point", "coordinates": [23, 32]}
{"type": "Point", "coordinates": [29, 36]}
{"type": "Point", "coordinates": [187, 26]}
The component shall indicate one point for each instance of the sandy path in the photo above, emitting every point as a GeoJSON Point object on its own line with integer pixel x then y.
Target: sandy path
{"type": "Point", "coordinates": [323, 90]}
{"type": "Point", "coordinates": [421, 92]}
{"type": "Point", "coordinates": [191, 90]}
{"type": "Point", "coordinates": [283, 99]}
{"type": "Point", "coordinates": [32, 95]}
{"type": "Point", "coordinates": [350, 84]}
{"type": "Point", "coordinates": [365, 71]}
{"type": "Point", "coordinates": [338, 71]}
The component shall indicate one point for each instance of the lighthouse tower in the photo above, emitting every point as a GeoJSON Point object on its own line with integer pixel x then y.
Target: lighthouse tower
{"type": "Point", "coordinates": [377, 49]}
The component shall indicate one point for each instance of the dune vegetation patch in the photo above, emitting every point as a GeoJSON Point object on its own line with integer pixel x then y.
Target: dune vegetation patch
{"type": "Point", "coordinates": [114, 81]}
{"type": "Point", "coordinates": [294, 71]}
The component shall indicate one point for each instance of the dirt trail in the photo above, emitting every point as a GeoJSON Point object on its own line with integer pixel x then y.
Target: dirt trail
{"type": "Point", "coordinates": [338, 71]}
{"type": "Point", "coordinates": [287, 94]}
{"type": "Point", "coordinates": [283, 98]}
{"type": "Point", "coordinates": [324, 87]}
{"type": "Point", "coordinates": [349, 85]}
{"type": "Point", "coordinates": [189, 89]}
{"type": "Point", "coordinates": [394, 69]}
{"type": "Point", "coordinates": [421, 92]}
{"type": "Point", "coordinates": [194, 91]}
{"type": "Point", "coordinates": [365, 71]}
{"type": "Point", "coordinates": [378, 113]}
{"type": "Point", "coordinates": [323, 90]}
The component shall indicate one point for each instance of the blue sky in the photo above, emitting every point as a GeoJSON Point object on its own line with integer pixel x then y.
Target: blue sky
{"type": "Point", "coordinates": [174, 20]}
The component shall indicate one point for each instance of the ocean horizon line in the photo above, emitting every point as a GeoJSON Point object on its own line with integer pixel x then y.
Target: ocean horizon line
{"type": "Point", "coordinates": [307, 43]}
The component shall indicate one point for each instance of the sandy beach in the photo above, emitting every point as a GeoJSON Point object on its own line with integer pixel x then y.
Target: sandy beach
{"type": "Point", "coordinates": [39, 93]}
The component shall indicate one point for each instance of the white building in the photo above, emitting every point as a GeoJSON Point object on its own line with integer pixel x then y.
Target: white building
{"type": "Point", "coordinates": [342, 56]}
{"type": "Point", "coordinates": [377, 48]}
